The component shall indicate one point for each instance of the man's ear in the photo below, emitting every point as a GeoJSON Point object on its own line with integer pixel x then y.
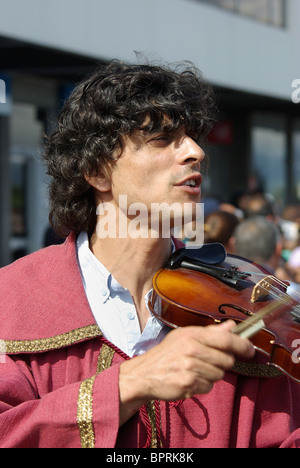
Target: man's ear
{"type": "Point", "coordinates": [100, 181]}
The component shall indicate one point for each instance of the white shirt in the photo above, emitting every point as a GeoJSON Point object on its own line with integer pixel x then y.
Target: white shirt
{"type": "Point", "coordinates": [113, 307]}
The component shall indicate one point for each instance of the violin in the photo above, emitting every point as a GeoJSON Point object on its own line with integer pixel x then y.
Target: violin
{"type": "Point", "coordinates": [206, 286]}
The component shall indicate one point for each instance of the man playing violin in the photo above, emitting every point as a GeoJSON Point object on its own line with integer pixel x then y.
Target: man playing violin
{"type": "Point", "coordinates": [85, 362]}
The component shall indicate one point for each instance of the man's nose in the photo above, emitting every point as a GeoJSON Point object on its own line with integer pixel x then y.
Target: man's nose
{"type": "Point", "coordinates": [190, 152]}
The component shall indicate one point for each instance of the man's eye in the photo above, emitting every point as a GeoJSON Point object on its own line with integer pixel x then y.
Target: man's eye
{"type": "Point", "coordinates": [161, 138]}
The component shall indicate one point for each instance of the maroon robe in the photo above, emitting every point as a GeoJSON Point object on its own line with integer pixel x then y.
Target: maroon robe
{"type": "Point", "coordinates": [59, 377]}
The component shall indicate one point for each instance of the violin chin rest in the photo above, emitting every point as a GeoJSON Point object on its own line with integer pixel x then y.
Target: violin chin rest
{"type": "Point", "coordinates": [209, 254]}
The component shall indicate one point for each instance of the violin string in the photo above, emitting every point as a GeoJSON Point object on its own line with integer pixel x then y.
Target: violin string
{"type": "Point", "coordinates": [282, 294]}
{"type": "Point", "coordinates": [276, 292]}
{"type": "Point", "coordinates": [264, 275]}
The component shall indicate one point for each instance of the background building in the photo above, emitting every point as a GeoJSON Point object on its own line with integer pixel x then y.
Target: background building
{"type": "Point", "coordinates": [248, 49]}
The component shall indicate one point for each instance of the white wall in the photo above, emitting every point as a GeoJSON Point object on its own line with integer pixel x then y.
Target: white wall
{"type": "Point", "coordinates": [231, 50]}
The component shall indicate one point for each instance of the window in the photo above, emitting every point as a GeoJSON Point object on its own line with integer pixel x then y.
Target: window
{"type": "Point", "coordinates": [26, 198]}
{"type": "Point", "coordinates": [266, 11]}
{"type": "Point", "coordinates": [269, 149]}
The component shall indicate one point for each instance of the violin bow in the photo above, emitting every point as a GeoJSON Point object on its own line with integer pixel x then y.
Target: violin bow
{"type": "Point", "coordinates": [255, 323]}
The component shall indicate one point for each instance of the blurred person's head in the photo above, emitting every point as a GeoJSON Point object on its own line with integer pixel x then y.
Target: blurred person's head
{"type": "Point", "coordinates": [260, 204]}
{"type": "Point", "coordinates": [219, 227]}
{"type": "Point", "coordinates": [259, 240]}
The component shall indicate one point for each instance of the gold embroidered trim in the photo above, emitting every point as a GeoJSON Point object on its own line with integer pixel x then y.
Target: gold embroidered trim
{"type": "Point", "coordinates": [104, 362]}
{"type": "Point", "coordinates": [152, 418]}
{"type": "Point", "coordinates": [85, 404]}
{"type": "Point", "coordinates": [256, 370]}
{"type": "Point", "coordinates": [85, 413]}
{"type": "Point", "coordinates": [105, 358]}
{"type": "Point", "coordinates": [53, 342]}
{"type": "Point", "coordinates": [85, 399]}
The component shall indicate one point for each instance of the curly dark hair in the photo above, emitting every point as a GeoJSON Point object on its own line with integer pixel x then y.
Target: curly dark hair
{"type": "Point", "coordinates": [117, 100]}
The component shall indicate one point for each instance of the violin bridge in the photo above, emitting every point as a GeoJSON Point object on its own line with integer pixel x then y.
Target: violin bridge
{"type": "Point", "coordinates": [262, 289]}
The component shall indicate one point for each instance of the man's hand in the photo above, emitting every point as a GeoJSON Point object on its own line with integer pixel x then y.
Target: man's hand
{"type": "Point", "coordinates": [187, 362]}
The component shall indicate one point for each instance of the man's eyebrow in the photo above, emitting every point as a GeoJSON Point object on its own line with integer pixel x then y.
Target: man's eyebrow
{"type": "Point", "coordinates": [157, 130]}
{"type": "Point", "coordinates": [162, 129]}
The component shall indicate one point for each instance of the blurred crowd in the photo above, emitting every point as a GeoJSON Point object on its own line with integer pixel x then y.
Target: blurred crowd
{"type": "Point", "coordinates": [252, 228]}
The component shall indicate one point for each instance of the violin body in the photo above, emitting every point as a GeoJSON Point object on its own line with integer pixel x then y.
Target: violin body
{"type": "Point", "coordinates": [191, 298]}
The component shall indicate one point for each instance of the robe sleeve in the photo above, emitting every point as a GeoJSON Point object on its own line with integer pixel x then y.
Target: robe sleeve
{"type": "Point", "coordinates": [81, 414]}
{"type": "Point", "coordinates": [293, 441]}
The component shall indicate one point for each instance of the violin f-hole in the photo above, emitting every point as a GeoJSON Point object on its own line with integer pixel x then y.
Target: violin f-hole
{"type": "Point", "coordinates": [235, 307]}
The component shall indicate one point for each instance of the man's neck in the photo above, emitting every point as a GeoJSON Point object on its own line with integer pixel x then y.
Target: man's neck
{"type": "Point", "coordinates": [132, 262]}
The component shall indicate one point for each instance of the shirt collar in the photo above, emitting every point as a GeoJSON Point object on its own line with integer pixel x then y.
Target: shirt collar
{"type": "Point", "coordinates": [93, 269]}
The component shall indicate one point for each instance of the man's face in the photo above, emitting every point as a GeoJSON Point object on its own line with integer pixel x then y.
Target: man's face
{"type": "Point", "coordinates": [159, 167]}
{"type": "Point", "coordinates": [155, 169]}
